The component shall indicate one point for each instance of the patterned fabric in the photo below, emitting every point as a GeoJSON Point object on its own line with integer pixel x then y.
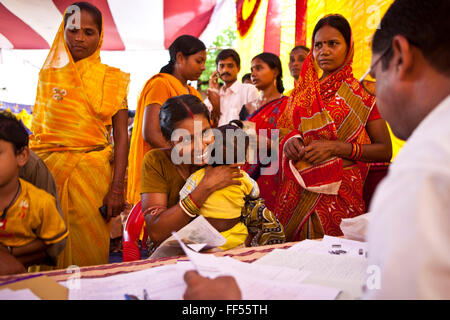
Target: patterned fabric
{"type": "Point", "coordinates": [157, 90]}
{"type": "Point", "coordinates": [71, 126]}
{"type": "Point", "coordinates": [262, 224]}
{"type": "Point", "coordinates": [336, 108]}
{"type": "Point", "coordinates": [266, 117]}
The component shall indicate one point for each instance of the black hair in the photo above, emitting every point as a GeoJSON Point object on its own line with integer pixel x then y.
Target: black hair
{"type": "Point", "coordinates": [338, 22]}
{"type": "Point", "coordinates": [187, 45]}
{"type": "Point", "coordinates": [426, 26]}
{"type": "Point", "coordinates": [131, 113]}
{"type": "Point", "coordinates": [13, 131]}
{"type": "Point", "coordinates": [178, 108]}
{"type": "Point", "coordinates": [227, 143]}
{"type": "Point", "coordinates": [274, 63]}
{"type": "Point", "coordinates": [300, 47]}
{"type": "Point", "coordinates": [246, 76]}
{"type": "Point", "coordinates": [228, 53]}
{"type": "Point", "coordinates": [93, 10]}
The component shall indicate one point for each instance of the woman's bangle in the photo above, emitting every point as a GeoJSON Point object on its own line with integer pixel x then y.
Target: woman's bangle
{"type": "Point", "coordinates": [189, 206]}
{"type": "Point", "coordinates": [356, 152]}
{"type": "Point", "coordinates": [117, 191]}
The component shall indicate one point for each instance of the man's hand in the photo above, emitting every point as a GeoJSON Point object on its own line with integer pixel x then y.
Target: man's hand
{"type": "Point", "coordinates": [220, 288]}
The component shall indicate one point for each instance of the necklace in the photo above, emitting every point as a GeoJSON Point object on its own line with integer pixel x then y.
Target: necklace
{"type": "Point", "coordinates": [9, 205]}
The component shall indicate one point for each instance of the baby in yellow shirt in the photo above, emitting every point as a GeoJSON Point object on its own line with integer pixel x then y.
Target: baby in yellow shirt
{"type": "Point", "coordinates": [32, 231]}
{"type": "Point", "coordinates": [228, 202]}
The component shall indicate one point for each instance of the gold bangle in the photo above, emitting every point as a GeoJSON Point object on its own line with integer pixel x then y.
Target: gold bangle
{"type": "Point", "coordinates": [185, 210]}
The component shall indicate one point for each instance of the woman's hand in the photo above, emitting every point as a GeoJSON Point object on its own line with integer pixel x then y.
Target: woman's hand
{"type": "Point", "coordinates": [115, 203]}
{"type": "Point", "coordinates": [319, 150]}
{"type": "Point", "coordinates": [294, 149]}
{"type": "Point", "coordinates": [220, 177]}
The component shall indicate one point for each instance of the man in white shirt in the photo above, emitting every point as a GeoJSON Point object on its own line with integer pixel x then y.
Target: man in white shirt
{"type": "Point", "coordinates": [226, 103]}
{"type": "Point", "coordinates": [409, 229]}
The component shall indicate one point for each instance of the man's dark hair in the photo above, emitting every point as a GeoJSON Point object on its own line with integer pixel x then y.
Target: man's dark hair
{"type": "Point", "coordinates": [228, 53]}
{"type": "Point", "coordinates": [93, 10]}
{"type": "Point", "coordinates": [13, 131]}
{"type": "Point", "coordinates": [425, 24]}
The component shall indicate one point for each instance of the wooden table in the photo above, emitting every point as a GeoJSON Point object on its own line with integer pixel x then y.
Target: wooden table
{"type": "Point", "coordinates": [249, 255]}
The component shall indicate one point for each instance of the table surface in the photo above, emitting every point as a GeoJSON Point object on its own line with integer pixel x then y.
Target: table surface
{"type": "Point", "coordinates": [248, 254]}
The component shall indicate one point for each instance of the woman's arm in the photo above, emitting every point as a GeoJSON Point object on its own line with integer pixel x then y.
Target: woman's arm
{"type": "Point", "coordinates": [380, 150]}
{"type": "Point", "coordinates": [151, 131]}
{"type": "Point", "coordinates": [114, 199]}
{"type": "Point", "coordinates": [161, 225]}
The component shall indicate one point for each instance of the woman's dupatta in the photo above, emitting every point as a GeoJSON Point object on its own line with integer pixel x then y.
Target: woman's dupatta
{"type": "Point", "coordinates": [318, 110]}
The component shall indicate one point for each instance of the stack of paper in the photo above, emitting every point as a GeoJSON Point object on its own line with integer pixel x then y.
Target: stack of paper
{"type": "Point", "coordinates": [332, 262]}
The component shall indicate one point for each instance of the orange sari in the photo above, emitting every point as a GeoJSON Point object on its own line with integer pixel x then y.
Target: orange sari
{"type": "Point", "coordinates": [313, 199]}
{"type": "Point", "coordinates": [71, 126]}
{"type": "Point", "coordinates": [157, 90]}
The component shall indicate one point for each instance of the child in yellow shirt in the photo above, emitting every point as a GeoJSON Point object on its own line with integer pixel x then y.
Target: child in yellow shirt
{"type": "Point", "coordinates": [228, 202]}
{"type": "Point", "coordinates": [32, 230]}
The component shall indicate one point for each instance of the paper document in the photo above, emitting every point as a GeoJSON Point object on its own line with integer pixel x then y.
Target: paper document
{"type": "Point", "coordinates": [344, 272]}
{"type": "Point", "coordinates": [259, 282]}
{"type": "Point", "coordinates": [24, 294]}
{"type": "Point", "coordinates": [332, 245]}
{"type": "Point", "coordinates": [199, 233]}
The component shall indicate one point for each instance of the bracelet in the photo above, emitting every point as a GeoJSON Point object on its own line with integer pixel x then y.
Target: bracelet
{"type": "Point", "coordinates": [356, 152]}
{"type": "Point", "coordinates": [116, 191]}
{"type": "Point", "coordinates": [189, 206]}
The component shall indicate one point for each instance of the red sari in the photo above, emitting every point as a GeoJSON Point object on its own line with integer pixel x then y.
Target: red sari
{"type": "Point", "coordinates": [266, 117]}
{"type": "Point", "coordinates": [313, 199]}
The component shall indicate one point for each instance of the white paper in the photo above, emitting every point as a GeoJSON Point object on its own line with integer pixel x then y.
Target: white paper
{"type": "Point", "coordinates": [351, 247]}
{"type": "Point", "coordinates": [259, 282]}
{"type": "Point", "coordinates": [347, 273]}
{"type": "Point", "coordinates": [198, 231]}
{"type": "Point", "coordinates": [24, 294]}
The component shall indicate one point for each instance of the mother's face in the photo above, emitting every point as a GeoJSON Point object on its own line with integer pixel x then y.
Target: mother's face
{"type": "Point", "coordinates": [191, 141]}
{"type": "Point", "coordinates": [330, 49]}
{"type": "Point", "coordinates": [82, 40]}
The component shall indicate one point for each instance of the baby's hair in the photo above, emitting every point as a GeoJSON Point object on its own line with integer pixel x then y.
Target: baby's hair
{"type": "Point", "coordinates": [235, 140]}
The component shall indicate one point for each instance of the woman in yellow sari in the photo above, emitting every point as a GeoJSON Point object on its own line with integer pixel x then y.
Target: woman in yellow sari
{"type": "Point", "coordinates": [78, 100]}
{"type": "Point", "coordinates": [187, 62]}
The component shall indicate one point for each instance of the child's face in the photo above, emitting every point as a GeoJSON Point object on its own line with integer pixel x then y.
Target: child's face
{"type": "Point", "coordinates": [10, 162]}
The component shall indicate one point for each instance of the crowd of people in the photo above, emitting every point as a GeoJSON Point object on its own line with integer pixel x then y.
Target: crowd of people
{"type": "Point", "coordinates": [60, 187]}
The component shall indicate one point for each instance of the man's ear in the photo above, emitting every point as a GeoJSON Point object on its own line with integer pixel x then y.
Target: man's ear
{"type": "Point", "coordinates": [403, 57]}
{"type": "Point", "coordinates": [23, 156]}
